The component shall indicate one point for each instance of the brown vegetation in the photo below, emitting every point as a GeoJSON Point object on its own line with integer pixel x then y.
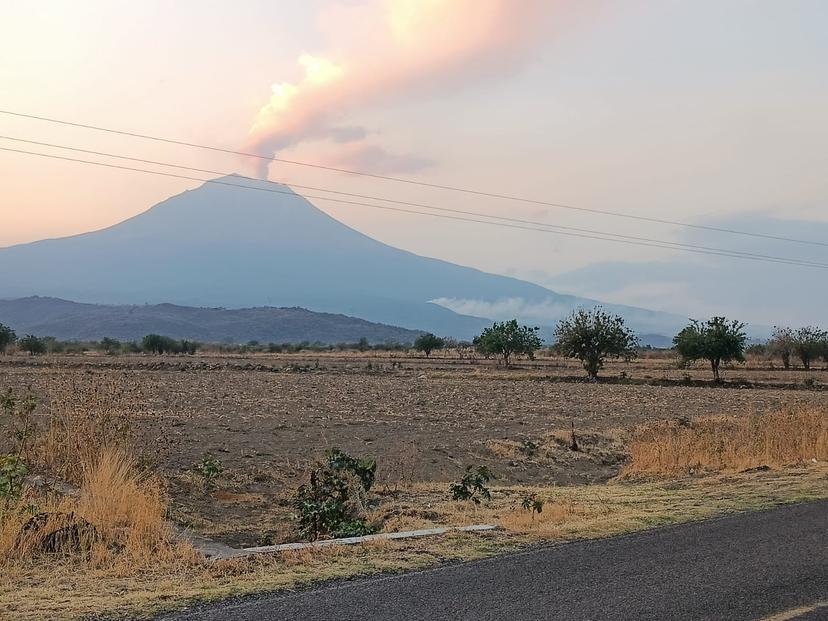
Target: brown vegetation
{"type": "Point", "coordinates": [730, 443]}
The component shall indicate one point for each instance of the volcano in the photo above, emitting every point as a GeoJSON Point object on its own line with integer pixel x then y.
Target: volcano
{"type": "Point", "coordinates": [223, 246]}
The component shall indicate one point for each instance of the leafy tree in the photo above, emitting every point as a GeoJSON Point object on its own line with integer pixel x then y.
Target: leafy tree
{"type": "Point", "coordinates": [507, 339]}
{"type": "Point", "coordinates": [715, 340]}
{"type": "Point", "coordinates": [593, 336]}
{"type": "Point", "coordinates": [109, 346]}
{"type": "Point", "coordinates": [33, 345]}
{"type": "Point", "coordinates": [809, 344]}
{"type": "Point", "coordinates": [427, 343]}
{"type": "Point", "coordinates": [7, 337]}
{"type": "Point", "coordinates": [783, 344]}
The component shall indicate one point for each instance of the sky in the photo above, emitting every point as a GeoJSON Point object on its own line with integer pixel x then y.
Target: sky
{"type": "Point", "coordinates": [697, 111]}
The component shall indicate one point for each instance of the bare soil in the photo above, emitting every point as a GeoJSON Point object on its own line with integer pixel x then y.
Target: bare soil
{"type": "Point", "coordinates": [268, 417]}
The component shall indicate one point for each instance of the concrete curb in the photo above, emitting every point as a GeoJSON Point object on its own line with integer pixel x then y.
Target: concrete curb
{"type": "Point", "coordinates": [345, 541]}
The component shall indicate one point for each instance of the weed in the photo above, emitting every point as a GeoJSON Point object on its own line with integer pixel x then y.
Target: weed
{"type": "Point", "coordinates": [472, 487]}
{"type": "Point", "coordinates": [532, 503]}
{"type": "Point", "coordinates": [332, 503]}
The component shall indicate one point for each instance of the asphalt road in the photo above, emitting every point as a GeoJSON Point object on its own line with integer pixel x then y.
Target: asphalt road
{"type": "Point", "coordinates": [767, 565]}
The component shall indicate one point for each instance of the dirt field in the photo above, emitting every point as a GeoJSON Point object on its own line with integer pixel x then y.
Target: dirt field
{"type": "Point", "coordinates": [268, 417]}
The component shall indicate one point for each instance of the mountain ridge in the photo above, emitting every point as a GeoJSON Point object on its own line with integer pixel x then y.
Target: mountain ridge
{"type": "Point", "coordinates": [219, 245]}
{"type": "Point", "coordinates": [74, 321]}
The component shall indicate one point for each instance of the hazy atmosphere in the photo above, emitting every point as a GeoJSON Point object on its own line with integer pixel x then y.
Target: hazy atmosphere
{"type": "Point", "coordinates": [413, 310]}
{"type": "Point", "coordinates": [702, 112]}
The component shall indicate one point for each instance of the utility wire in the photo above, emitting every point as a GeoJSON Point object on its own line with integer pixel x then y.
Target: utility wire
{"type": "Point", "coordinates": [678, 245]}
{"type": "Point", "coordinates": [616, 214]}
{"type": "Point", "coordinates": [598, 235]}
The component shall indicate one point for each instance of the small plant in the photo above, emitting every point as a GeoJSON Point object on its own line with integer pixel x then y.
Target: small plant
{"type": "Point", "coordinates": [810, 382]}
{"type": "Point", "coordinates": [533, 503]}
{"type": "Point", "coordinates": [209, 468]}
{"type": "Point", "coordinates": [332, 503]}
{"type": "Point", "coordinates": [12, 472]}
{"type": "Point", "coordinates": [13, 468]}
{"type": "Point", "coordinates": [472, 487]}
{"type": "Point", "coordinates": [528, 447]}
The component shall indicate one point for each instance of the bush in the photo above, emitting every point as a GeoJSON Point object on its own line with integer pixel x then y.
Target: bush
{"type": "Point", "coordinates": [7, 337]}
{"type": "Point", "coordinates": [17, 413]}
{"type": "Point", "coordinates": [427, 343]}
{"type": "Point", "coordinates": [33, 345]}
{"type": "Point", "coordinates": [472, 487]}
{"type": "Point", "coordinates": [592, 337]}
{"type": "Point", "coordinates": [157, 344]}
{"type": "Point", "coordinates": [715, 340]}
{"type": "Point", "coordinates": [332, 503]}
{"type": "Point", "coordinates": [809, 343]}
{"type": "Point", "coordinates": [507, 339]}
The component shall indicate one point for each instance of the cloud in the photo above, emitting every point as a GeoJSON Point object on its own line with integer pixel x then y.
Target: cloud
{"type": "Point", "coordinates": [545, 311]}
{"type": "Point", "coordinates": [378, 160]}
{"type": "Point", "coordinates": [388, 49]}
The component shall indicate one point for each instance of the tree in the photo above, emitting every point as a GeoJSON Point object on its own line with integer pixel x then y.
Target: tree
{"type": "Point", "coordinates": [593, 336]}
{"type": "Point", "coordinates": [33, 345]}
{"type": "Point", "coordinates": [507, 339]}
{"type": "Point", "coordinates": [782, 344]}
{"type": "Point", "coordinates": [715, 340]}
{"type": "Point", "coordinates": [157, 344]}
{"type": "Point", "coordinates": [109, 346]}
{"type": "Point", "coordinates": [427, 343]}
{"type": "Point", "coordinates": [809, 344]}
{"type": "Point", "coordinates": [7, 337]}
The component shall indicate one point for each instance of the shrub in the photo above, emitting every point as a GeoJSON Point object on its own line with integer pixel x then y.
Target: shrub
{"type": "Point", "coordinates": [7, 337]}
{"type": "Point", "coordinates": [715, 340]}
{"type": "Point", "coordinates": [507, 339]}
{"type": "Point", "coordinates": [472, 486]}
{"type": "Point", "coordinates": [592, 337]}
{"type": "Point", "coordinates": [209, 468]}
{"type": "Point", "coordinates": [12, 472]}
{"type": "Point", "coordinates": [427, 343]}
{"type": "Point", "coordinates": [332, 503]}
{"type": "Point", "coordinates": [33, 345]}
{"type": "Point", "coordinates": [782, 344]}
{"type": "Point", "coordinates": [109, 346]}
{"type": "Point", "coordinates": [809, 344]}
{"type": "Point", "coordinates": [532, 503]}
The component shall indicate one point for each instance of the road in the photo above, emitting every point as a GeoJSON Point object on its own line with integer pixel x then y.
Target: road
{"type": "Point", "coordinates": [766, 565]}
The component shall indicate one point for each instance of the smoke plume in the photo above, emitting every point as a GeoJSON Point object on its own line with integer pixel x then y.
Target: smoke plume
{"type": "Point", "coordinates": [389, 49]}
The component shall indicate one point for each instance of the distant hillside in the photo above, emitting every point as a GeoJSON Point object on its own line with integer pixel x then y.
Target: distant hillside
{"type": "Point", "coordinates": [225, 246]}
{"type": "Point", "coordinates": [87, 322]}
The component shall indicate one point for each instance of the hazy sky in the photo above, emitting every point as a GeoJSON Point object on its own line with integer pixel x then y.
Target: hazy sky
{"type": "Point", "coordinates": [689, 110]}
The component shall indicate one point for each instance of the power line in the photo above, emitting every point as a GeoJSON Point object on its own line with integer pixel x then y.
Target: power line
{"type": "Point", "coordinates": [451, 188]}
{"type": "Point", "coordinates": [677, 245]}
{"type": "Point", "coordinates": [598, 235]}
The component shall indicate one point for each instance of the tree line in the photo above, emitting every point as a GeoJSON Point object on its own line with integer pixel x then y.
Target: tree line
{"type": "Point", "coordinates": [590, 336]}
{"type": "Point", "coordinates": [593, 336]}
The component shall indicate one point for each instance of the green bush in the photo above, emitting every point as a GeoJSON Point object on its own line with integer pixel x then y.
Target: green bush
{"type": "Point", "coordinates": [7, 337]}
{"type": "Point", "coordinates": [332, 503]}
{"type": "Point", "coordinates": [472, 487]}
{"type": "Point", "coordinates": [427, 343]}
{"type": "Point", "coordinates": [507, 339]}
{"type": "Point", "coordinates": [33, 345]}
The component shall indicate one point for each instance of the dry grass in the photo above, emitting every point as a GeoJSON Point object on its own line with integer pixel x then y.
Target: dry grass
{"type": "Point", "coordinates": [125, 507]}
{"type": "Point", "coordinates": [70, 589]}
{"type": "Point", "coordinates": [86, 414]}
{"type": "Point", "coordinates": [729, 443]}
